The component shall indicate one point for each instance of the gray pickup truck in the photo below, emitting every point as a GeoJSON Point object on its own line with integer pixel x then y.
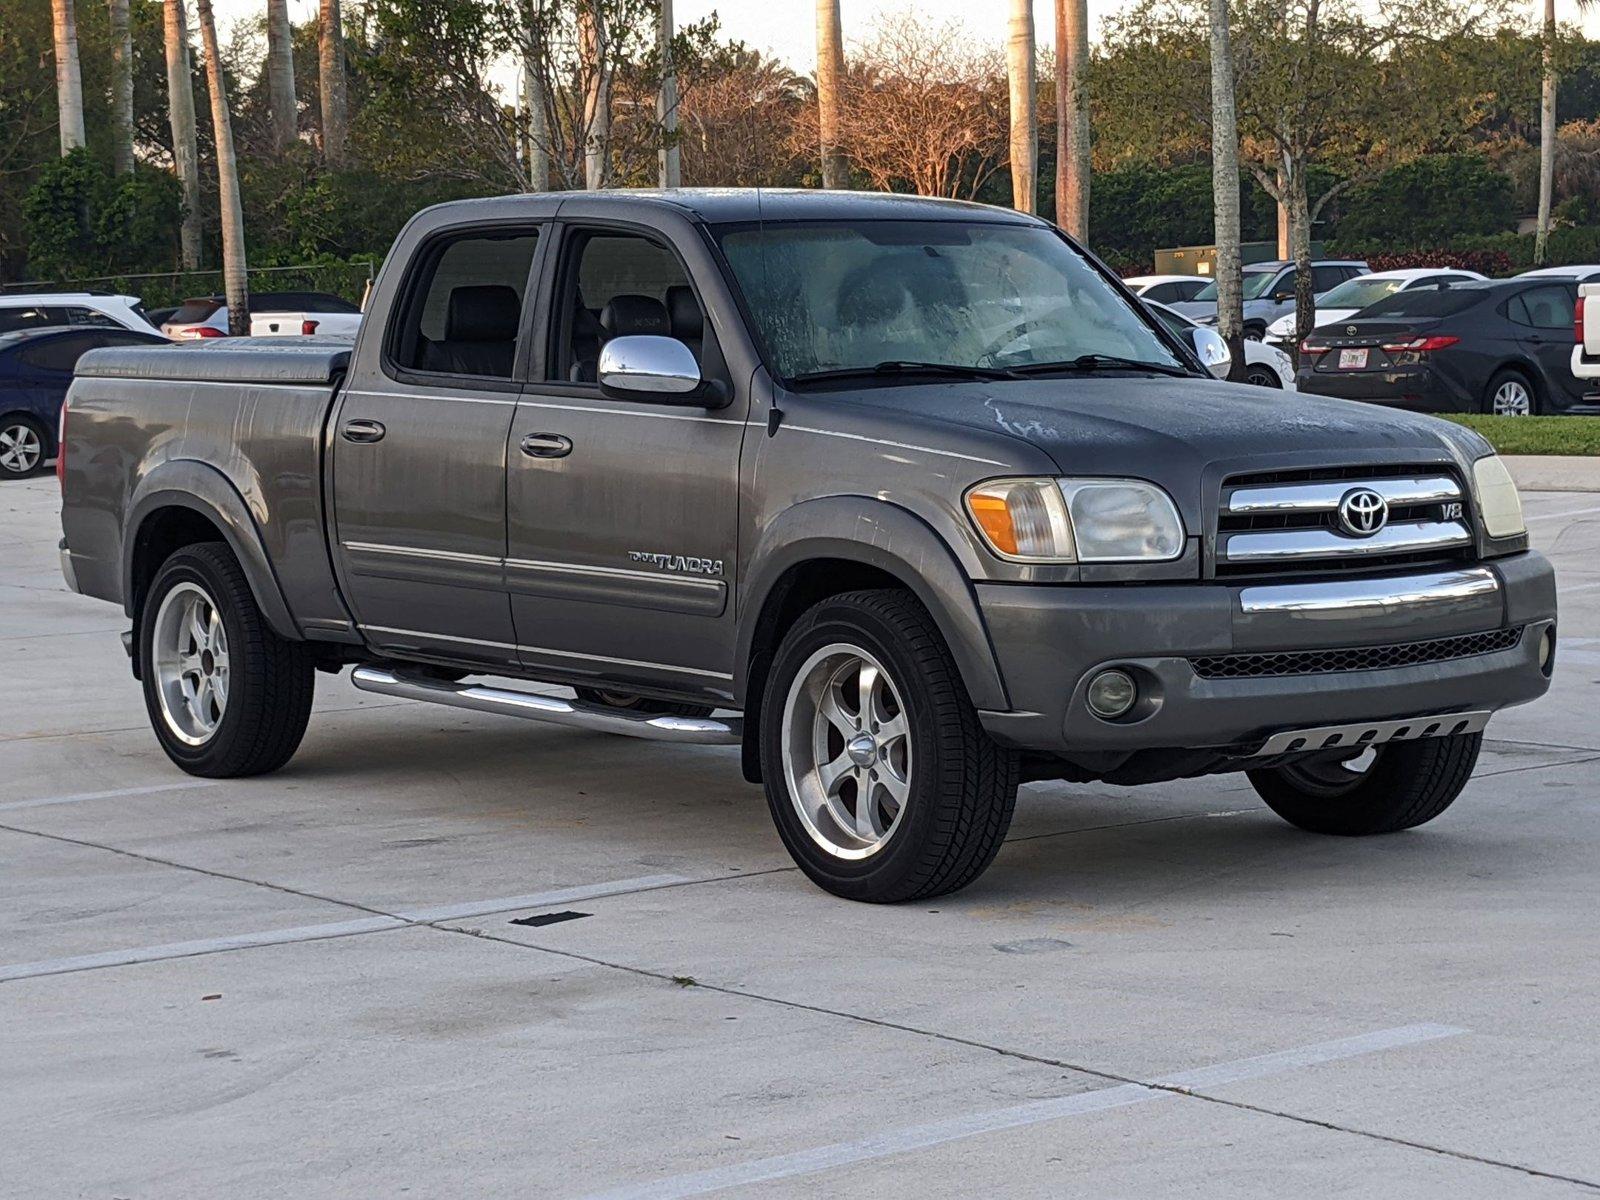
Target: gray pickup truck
{"type": "Point", "coordinates": [909, 499]}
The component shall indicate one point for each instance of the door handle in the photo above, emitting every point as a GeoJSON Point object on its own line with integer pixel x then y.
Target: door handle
{"type": "Point", "coordinates": [546, 445]}
{"type": "Point", "coordinates": [363, 431]}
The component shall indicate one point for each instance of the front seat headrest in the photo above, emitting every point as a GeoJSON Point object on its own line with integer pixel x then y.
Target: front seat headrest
{"type": "Point", "coordinates": [626, 315]}
{"type": "Point", "coordinates": [683, 310]}
{"type": "Point", "coordinates": [483, 312]}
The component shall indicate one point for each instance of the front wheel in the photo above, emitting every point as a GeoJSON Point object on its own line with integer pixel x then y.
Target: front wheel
{"type": "Point", "coordinates": [1263, 377]}
{"type": "Point", "coordinates": [882, 783]}
{"type": "Point", "coordinates": [226, 695]}
{"type": "Point", "coordinates": [1383, 789]}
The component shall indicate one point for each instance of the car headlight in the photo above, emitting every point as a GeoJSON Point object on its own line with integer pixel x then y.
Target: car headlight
{"type": "Point", "coordinates": [1077, 520]}
{"type": "Point", "coordinates": [1498, 503]}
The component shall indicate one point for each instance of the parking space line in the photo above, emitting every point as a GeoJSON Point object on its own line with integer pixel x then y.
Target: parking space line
{"type": "Point", "coordinates": [921, 1137]}
{"type": "Point", "coordinates": [404, 919]}
{"type": "Point", "coordinates": [114, 793]}
{"type": "Point", "coordinates": [1571, 512]}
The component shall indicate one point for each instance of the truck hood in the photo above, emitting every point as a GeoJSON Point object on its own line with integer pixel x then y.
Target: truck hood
{"type": "Point", "coordinates": [1178, 432]}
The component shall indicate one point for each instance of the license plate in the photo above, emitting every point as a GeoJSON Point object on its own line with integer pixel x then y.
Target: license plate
{"type": "Point", "coordinates": [1352, 360]}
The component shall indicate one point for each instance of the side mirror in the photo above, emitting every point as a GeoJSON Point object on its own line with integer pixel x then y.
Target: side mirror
{"type": "Point", "coordinates": [1211, 350]}
{"type": "Point", "coordinates": [651, 367]}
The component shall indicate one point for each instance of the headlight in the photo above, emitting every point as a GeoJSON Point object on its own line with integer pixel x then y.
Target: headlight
{"type": "Point", "coordinates": [1077, 520]}
{"type": "Point", "coordinates": [1498, 502]}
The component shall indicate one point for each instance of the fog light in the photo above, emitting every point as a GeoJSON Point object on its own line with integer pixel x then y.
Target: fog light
{"type": "Point", "coordinates": [1111, 694]}
{"type": "Point", "coordinates": [1547, 650]}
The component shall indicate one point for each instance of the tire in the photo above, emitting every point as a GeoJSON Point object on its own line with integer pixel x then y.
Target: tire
{"type": "Point", "coordinates": [642, 704]}
{"type": "Point", "coordinates": [24, 446]}
{"type": "Point", "coordinates": [1511, 394]}
{"type": "Point", "coordinates": [1407, 784]}
{"type": "Point", "coordinates": [1263, 377]}
{"type": "Point", "coordinates": [1254, 331]}
{"type": "Point", "coordinates": [940, 792]}
{"type": "Point", "coordinates": [246, 718]}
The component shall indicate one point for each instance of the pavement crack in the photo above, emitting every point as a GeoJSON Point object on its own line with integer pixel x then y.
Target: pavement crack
{"type": "Point", "coordinates": [1108, 1076]}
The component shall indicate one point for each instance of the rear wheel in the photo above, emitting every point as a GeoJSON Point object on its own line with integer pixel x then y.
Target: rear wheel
{"type": "Point", "coordinates": [1379, 790]}
{"type": "Point", "coordinates": [641, 704]}
{"type": "Point", "coordinates": [23, 445]}
{"type": "Point", "coordinates": [226, 695]}
{"type": "Point", "coordinates": [1511, 394]}
{"type": "Point", "coordinates": [882, 783]}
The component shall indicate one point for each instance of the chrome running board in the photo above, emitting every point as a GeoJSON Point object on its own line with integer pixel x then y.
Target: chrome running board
{"type": "Point", "coordinates": [705, 731]}
{"type": "Point", "coordinates": [1372, 733]}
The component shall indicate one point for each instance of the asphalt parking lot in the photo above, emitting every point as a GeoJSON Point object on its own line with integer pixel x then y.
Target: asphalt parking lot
{"type": "Point", "coordinates": [345, 979]}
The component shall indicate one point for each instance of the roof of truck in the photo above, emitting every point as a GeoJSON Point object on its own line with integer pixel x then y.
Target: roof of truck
{"type": "Point", "coordinates": [729, 205]}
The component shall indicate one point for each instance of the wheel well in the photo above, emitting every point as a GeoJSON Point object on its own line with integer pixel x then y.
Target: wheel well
{"type": "Point", "coordinates": [796, 590]}
{"type": "Point", "coordinates": [163, 532]}
{"type": "Point", "coordinates": [1523, 371]}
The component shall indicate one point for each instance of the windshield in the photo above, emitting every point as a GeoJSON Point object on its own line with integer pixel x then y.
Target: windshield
{"type": "Point", "coordinates": [828, 296]}
{"type": "Point", "coordinates": [1256, 284]}
{"type": "Point", "coordinates": [1362, 291]}
{"type": "Point", "coordinates": [1426, 302]}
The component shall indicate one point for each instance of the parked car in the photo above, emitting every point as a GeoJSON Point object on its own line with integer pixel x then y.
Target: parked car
{"type": "Point", "coordinates": [912, 485]}
{"type": "Point", "coordinates": [1166, 289]}
{"type": "Point", "coordinates": [1353, 295]}
{"type": "Point", "coordinates": [207, 316]}
{"type": "Point", "coordinates": [1579, 274]}
{"type": "Point", "coordinates": [1269, 292]}
{"type": "Point", "coordinates": [40, 310]}
{"type": "Point", "coordinates": [1501, 347]}
{"type": "Point", "coordinates": [35, 370]}
{"type": "Point", "coordinates": [1265, 366]}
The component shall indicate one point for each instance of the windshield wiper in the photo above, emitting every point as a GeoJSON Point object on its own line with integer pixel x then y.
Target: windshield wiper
{"type": "Point", "coordinates": [900, 366]}
{"type": "Point", "coordinates": [1097, 362]}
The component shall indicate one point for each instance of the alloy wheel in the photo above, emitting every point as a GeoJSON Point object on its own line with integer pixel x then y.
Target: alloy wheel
{"type": "Point", "coordinates": [190, 652]}
{"type": "Point", "coordinates": [1513, 399]}
{"type": "Point", "coordinates": [20, 448]}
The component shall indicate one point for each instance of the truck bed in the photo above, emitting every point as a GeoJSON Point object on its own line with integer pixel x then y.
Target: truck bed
{"type": "Point", "coordinates": [149, 425]}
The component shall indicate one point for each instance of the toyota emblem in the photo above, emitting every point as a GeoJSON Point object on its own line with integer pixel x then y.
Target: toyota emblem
{"type": "Point", "coordinates": [1362, 512]}
{"type": "Point", "coordinates": [1351, 330]}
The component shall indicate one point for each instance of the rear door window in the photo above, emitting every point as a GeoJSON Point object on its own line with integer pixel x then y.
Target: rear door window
{"type": "Point", "coordinates": [1325, 279]}
{"type": "Point", "coordinates": [462, 312]}
{"type": "Point", "coordinates": [19, 317]}
{"type": "Point", "coordinates": [1542, 308]}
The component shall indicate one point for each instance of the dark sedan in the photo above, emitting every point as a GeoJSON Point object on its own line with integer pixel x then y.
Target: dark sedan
{"type": "Point", "coordinates": [36, 366]}
{"type": "Point", "coordinates": [1497, 347]}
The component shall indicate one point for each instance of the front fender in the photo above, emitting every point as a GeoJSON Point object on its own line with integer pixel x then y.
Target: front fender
{"type": "Point", "coordinates": [200, 487]}
{"type": "Point", "coordinates": [878, 534]}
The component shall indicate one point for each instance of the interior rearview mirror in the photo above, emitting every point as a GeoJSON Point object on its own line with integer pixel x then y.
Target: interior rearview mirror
{"type": "Point", "coordinates": [651, 367]}
{"type": "Point", "coordinates": [1211, 350]}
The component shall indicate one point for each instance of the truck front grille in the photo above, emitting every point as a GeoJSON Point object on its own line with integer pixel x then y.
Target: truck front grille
{"type": "Point", "coordinates": [1288, 522]}
{"type": "Point", "coordinates": [1355, 658]}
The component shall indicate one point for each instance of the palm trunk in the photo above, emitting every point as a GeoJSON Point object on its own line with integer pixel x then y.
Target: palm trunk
{"type": "Point", "coordinates": [330, 70]}
{"type": "Point", "coordinates": [536, 159]}
{"type": "Point", "coordinates": [830, 79]}
{"type": "Point", "coordinates": [121, 88]}
{"type": "Point", "coordinates": [235, 284]}
{"type": "Point", "coordinates": [280, 76]}
{"type": "Point", "coordinates": [180, 109]}
{"type": "Point", "coordinates": [1547, 138]}
{"type": "Point", "coordinates": [1225, 190]}
{"type": "Point", "coordinates": [671, 163]}
{"type": "Point", "coordinates": [1283, 222]}
{"type": "Point", "coordinates": [596, 95]}
{"type": "Point", "coordinates": [1024, 121]}
{"type": "Point", "coordinates": [1072, 117]}
{"type": "Point", "coordinates": [69, 77]}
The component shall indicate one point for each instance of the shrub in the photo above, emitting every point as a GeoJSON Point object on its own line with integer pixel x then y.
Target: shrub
{"type": "Point", "coordinates": [1435, 200]}
{"type": "Point", "coordinates": [82, 219]}
{"type": "Point", "coordinates": [1485, 262]}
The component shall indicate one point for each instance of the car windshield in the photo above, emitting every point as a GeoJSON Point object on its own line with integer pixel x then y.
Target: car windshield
{"type": "Point", "coordinates": [1426, 302]}
{"type": "Point", "coordinates": [1256, 284]}
{"type": "Point", "coordinates": [1362, 291]}
{"type": "Point", "coordinates": [836, 297]}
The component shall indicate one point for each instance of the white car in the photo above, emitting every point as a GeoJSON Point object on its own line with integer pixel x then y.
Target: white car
{"type": "Point", "coordinates": [39, 309]}
{"type": "Point", "coordinates": [1583, 273]}
{"type": "Point", "coordinates": [1265, 366]}
{"type": "Point", "coordinates": [1351, 296]}
{"type": "Point", "coordinates": [1166, 289]}
{"type": "Point", "coordinates": [293, 313]}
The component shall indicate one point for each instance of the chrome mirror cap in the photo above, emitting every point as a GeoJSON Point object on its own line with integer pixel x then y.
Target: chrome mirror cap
{"type": "Point", "coordinates": [648, 363]}
{"type": "Point", "coordinates": [1212, 350]}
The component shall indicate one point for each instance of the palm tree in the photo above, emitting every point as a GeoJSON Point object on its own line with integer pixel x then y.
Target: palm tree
{"type": "Point", "coordinates": [536, 155]}
{"type": "Point", "coordinates": [1072, 117]}
{"type": "Point", "coordinates": [1547, 132]}
{"type": "Point", "coordinates": [69, 77]}
{"type": "Point", "coordinates": [180, 110]}
{"type": "Point", "coordinates": [596, 75]}
{"type": "Point", "coordinates": [280, 76]}
{"type": "Point", "coordinates": [1024, 121]}
{"type": "Point", "coordinates": [1225, 189]}
{"type": "Point", "coordinates": [121, 88]}
{"type": "Point", "coordinates": [667, 103]}
{"type": "Point", "coordinates": [330, 69]}
{"type": "Point", "coordinates": [235, 283]}
{"type": "Point", "coordinates": [830, 81]}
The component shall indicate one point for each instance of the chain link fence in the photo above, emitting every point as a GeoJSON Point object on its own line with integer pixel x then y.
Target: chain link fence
{"type": "Point", "coordinates": [160, 289]}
